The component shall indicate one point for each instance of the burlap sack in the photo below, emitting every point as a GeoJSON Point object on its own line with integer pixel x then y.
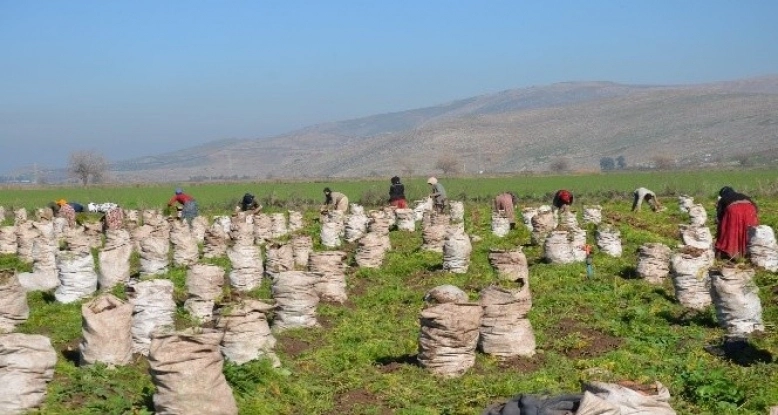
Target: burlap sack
{"type": "Point", "coordinates": [13, 302]}
{"type": "Point", "coordinates": [153, 309]}
{"type": "Point", "coordinates": [685, 203]}
{"type": "Point", "coordinates": [247, 334]}
{"type": "Point", "coordinates": [511, 265]}
{"type": "Point", "coordinates": [8, 243]}
{"type": "Point", "coordinates": [697, 215]}
{"type": "Point", "coordinates": [557, 248]}
{"type": "Point", "coordinates": [247, 268]}
{"type": "Point", "coordinates": [154, 255]}
{"type": "Point", "coordinates": [301, 249]}
{"type": "Point", "coordinates": [592, 214]}
{"type": "Point", "coordinates": [295, 221]}
{"type": "Point", "coordinates": [106, 327]}
{"type": "Point", "coordinates": [186, 369]}
{"type": "Point", "coordinates": [329, 269]}
{"type": "Point", "coordinates": [44, 275]}
{"type": "Point", "coordinates": [215, 241]}
{"type": "Point", "coordinates": [296, 299]}
{"type": "Point", "coordinates": [505, 329]}
{"type": "Point", "coordinates": [456, 250]}
{"type": "Point", "coordinates": [609, 240]}
{"type": "Point", "coordinates": [632, 402]}
{"type": "Point", "coordinates": [370, 251]}
{"type": "Point", "coordinates": [114, 259]}
{"type": "Point", "coordinates": [689, 272]}
{"type": "Point", "coordinates": [77, 276]}
{"type": "Point", "coordinates": [356, 227]}
{"type": "Point", "coordinates": [406, 220]}
{"type": "Point", "coordinates": [279, 258]}
{"type": "Point", "coordinates": [448, 338]}
{"type": "Point", "coordinates": [762, 247]}
{"type": "Point", "coordinates": [696, 236]}
{"type": "Point", "coordinates": [262, 225]}
{"type": "Point", "coordinates": [735, 297]}
{"type": "Point", "coordinates": [500, 224]}
{"type": "Point", "coordinates": [653, 262]}
{"type": "Point", "coordinates": [26, 366]}
{"type": "Point", "coordinates": [186, 252]}
{"type": "Point", "coordinates": [457, 211]}
{"type": "Point", "coordinates": [278, 226]}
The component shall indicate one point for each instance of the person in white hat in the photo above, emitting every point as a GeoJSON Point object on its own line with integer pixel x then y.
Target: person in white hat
{"type": "Point", "coordinates": [438, 195]}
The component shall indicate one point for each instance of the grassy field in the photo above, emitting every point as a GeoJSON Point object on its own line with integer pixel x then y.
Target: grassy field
{"type": "Point", "coordinates": [214, 198]}
{"type": "Point", "coordinates": [361, 361]}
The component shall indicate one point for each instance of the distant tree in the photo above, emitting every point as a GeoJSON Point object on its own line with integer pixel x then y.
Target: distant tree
{"type": "Point", "coordinates": [86, 166]}
{"type": "Point", "coordinates": [607, 164]}
{"type": "Point", "coordinates": [663, 162]}
{"type": "Point", "coordinates": [621, 163]}
{"type": "Point", "coordinates": [449, 164]}
{"type": "Point", "coordinates": [562, 164]}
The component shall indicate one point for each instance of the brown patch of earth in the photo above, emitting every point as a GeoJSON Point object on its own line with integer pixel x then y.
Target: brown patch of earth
{"type": "Point", "coordinates": [419, 279]}
{"type": "Point", "coordinates": [577, 341]}
{"type": "Point", "coordinates": [291, 346]}
{"type": "Point", "coordinates": [393, 364]}
{"type": "Point", "coordinates": [522, 364]}
{"type": "Point", "coordinates": [355, 401]}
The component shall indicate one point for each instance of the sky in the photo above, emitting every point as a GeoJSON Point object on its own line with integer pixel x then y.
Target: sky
{"type": "Point", "coordinates": [132, 78]}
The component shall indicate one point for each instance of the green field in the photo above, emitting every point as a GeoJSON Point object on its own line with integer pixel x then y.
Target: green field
{"type": "Point", "coordinates": [361, 361]}
{"type": "Point", "coordinates": [595, 187]}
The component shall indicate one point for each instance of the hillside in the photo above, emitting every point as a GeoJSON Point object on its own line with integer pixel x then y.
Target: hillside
{"type": "Point", "coordinates": [513, 130]}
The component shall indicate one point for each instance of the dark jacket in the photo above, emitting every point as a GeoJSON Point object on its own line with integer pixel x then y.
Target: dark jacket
{"type": "Point", "coordinates": [396, 192]}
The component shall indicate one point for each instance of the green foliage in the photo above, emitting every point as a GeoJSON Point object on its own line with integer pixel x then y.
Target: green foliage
{"type": "Point", "coordinates": [362, 359]}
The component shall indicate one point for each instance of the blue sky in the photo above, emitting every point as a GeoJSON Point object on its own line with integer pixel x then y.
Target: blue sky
{"type": "Point", "coordinates": [133, 78]}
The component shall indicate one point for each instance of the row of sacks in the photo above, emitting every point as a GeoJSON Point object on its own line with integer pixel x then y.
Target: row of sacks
{"type": "Point", "coordinates": [547, 222]}
{"type": "Point", "coordinates": [698, 284]}
{"type": "Point", "coordinates": [185, 367]}
{"type": "Point", "coordinates": [453, 328]}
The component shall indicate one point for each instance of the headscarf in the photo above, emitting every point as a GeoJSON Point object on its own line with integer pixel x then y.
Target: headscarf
{"type": "Point", "coordinates": [727, 196]}
{"type": "Point", "coordinates": [179, 191]}
{"type": "Point", "coordinates": [395, 180]}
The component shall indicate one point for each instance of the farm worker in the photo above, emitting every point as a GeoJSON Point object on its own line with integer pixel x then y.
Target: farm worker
{"type": "Point", "coordinates": [249, 203]}
{"type": "Point", "coordinates": [438, 195]}
{"type": "Point", "coordinates": [397, 194]}
{"type": "Point", "coordinates": [642, 194]}
{"type": "Point", "coordinates": [335, 201]}
{"type": "Point", "coordinates": [65, 210]}
{"type": "Point", "coordinates": [113, 219]}
{"type": "Point", "coordinates": [188, 203]}
{"type": "Point", "coordinates": [735, 213]}
{"type": "Point", "coordinates": [506, 202]}
{"type": "Point", "coordinates": [562, 200]}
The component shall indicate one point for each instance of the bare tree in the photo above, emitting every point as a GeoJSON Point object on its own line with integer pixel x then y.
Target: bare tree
{"type": "Point", "coordinates": [86, 165]}
{"type": "Point", "coordinates": [560, 164]}
{"type": "Point", "coordinates": [450, 164]}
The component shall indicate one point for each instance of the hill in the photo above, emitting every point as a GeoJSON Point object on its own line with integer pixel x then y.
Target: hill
{"type": "Point", "coordinates": [561, 126]}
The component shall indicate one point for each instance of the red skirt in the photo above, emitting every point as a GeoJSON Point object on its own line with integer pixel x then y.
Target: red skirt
{"type": "Point", "coordinates": [399, 204]}
{"type": "Point", "coordinates": [732, 235]}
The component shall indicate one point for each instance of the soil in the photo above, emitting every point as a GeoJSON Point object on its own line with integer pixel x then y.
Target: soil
{"type": "Point", "coordinates": [595, 343]}
{"type": "Point", "coordinates": [393, 364]}
{"type": "Point", "coordinates": [350, 402]}
{"type": "Point", "coordinates": [291, 346]}
{"type": "Point", "coordinates": [523, 364]}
